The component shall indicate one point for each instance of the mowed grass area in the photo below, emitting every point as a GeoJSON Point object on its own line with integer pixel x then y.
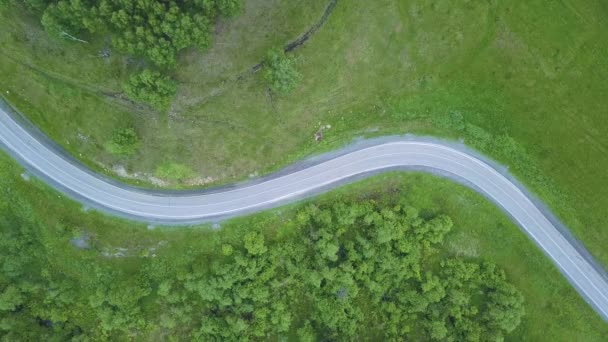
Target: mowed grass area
{"type": "Point", "coordinates": [534, 70]}
{"type": "Point", "coordinates": [554, 311]}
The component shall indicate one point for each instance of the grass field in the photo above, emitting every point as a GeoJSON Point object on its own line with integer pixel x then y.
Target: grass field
{"type": "Point", "coordinates": [554, 311]}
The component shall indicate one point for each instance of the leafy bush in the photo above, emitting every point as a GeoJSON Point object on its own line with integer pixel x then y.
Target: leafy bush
{"type": "Point", "coordinates": [174, 171]}
{"type": "Point", "coordinates": [229, 7]}
{"type": "Point", "coordinates": [358, 270]}
{"type": "Point", "coordinates": [152, 88]}
{"type": "Point", "coordinates": [281, 73]}
{"type": "Point", "coordinates": [124, 142]}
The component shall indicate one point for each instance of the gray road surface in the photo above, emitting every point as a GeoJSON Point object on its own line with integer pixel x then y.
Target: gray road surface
{"type": "Point", "coordinates": [47, 161]}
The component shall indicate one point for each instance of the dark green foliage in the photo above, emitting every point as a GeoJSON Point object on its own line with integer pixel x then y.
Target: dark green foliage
{"type": "Point", "coordinates": [36, 5]}
{"type": "Point", "coordinates": [124, 142]}
{"type": "Point", "coordinates": [70, 17]}
{"type": "Point", "coordinates": [158, 30]}
{"type": "Point", "coordinates": [456, 317]}
{"type": "Point", "coordinates": [229, 7]}
{"type": "Point", "coordinates": [154, 29]}
{"type": "Point", "coordinates": [362, 253]}
{"type": "Point", "coordinates": [151, 87]}
{"type": "Point", "coordinates": [348, 271]}
{"type": "Point", "coordinates": [281, 72]}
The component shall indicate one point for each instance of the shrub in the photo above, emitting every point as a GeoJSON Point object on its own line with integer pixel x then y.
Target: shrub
{"type": "Point", "coordinates": [155, 29]}
{"type": "Point", "coordinates": [152, 88]}
{"type": "Point", "coordinates": [124, 142]}
{"type": "Point", "coordinates": [281, 73]}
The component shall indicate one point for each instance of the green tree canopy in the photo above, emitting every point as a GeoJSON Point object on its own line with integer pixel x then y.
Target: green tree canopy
{"type": "Point", "coordinates": [281, 71]}
{"type": "Point", "coordinates": [154, 29]}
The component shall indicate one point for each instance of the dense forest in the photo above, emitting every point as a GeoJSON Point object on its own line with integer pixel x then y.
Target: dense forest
{"type": "Point", "coordinates": [349, 270]}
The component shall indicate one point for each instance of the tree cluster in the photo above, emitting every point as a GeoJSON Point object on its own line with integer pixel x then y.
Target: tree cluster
{"type": "Point", "coordinates": [154, 29]}
{"type": "Point", "coordinates": [347, 271]}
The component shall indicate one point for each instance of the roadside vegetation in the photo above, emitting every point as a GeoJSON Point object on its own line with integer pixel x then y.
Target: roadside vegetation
{"type": "Point", "coordinates": [173, 171]}
{"type": "Point", "coordinates": [124, 142]}
{"type": "Point", "coordinates": [361, 260]}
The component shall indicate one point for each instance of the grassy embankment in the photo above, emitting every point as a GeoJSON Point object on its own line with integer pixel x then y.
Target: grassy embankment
{"type": "Point", "coordinates": [554, 311]}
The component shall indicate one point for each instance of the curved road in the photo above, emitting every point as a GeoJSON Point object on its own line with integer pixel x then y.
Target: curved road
{"type": "Point", "coordinates": [44, 159]}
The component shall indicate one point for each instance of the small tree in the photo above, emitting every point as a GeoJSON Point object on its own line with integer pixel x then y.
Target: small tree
{"type": "Point", "coordinates": [124, 142]}
{"type": "Point", "coordinates": [152, 88]}
{"type": "Point", "coordinates": [281, 73]}
{"type": "Point", "coordinates": [254, 243]}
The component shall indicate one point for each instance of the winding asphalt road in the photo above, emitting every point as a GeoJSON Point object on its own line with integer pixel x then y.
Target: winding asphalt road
{"type": "Point", "coordinates": [43, 158]}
